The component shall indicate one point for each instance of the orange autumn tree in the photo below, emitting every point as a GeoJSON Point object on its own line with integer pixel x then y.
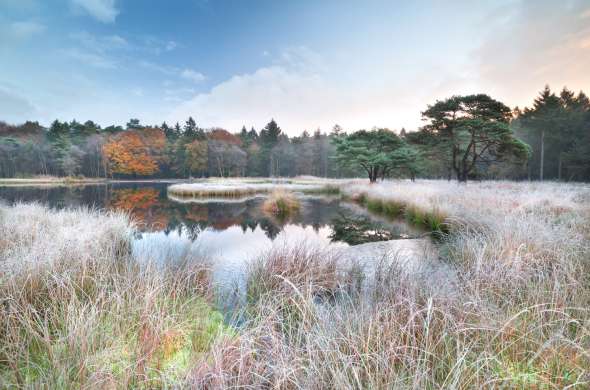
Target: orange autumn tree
{"type": "Point", "coordinates": [223, 135]}
{"type": "Point", "coordinates": [135, 152]}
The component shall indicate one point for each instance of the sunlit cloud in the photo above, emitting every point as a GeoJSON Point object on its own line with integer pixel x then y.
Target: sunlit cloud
{"type": "Point", "coordinates": [540, 44]}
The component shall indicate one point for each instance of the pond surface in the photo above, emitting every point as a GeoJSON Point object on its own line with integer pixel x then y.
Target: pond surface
{"type": "Point", "coordinates": [231, 232]}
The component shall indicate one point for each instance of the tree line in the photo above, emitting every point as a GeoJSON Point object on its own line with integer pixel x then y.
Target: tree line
{"type": "Point", "coordinates": [465, 137]}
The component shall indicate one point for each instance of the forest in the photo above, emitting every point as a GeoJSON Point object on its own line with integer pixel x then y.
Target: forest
{"type": "Point", "coordinates": [464, 137]}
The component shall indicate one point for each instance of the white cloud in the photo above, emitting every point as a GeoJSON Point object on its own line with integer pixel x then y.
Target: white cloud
{"type": "Point", "coordinates": [188, 74]}
{"type": "Point", "coordinates": [194, 76]}
{"type": "Point", "coordinates": [157, 46]}
{"type": "Point", "coordinates": [100, 44]}
{"type": "Point", "coordinates": [254, 99]}
{"type": "Point", "coordinates": [302, 92]}
{"type": "Point", "coordinates": [102, 10]}
{"type": "Point", "coordinates": [167, 70]}
{"type": "Point", "coordinates": [93, 59]}
{"type": "Point", "coordinates": [299, 93]}
{"type": "Point", "coordinates": [170, 45]}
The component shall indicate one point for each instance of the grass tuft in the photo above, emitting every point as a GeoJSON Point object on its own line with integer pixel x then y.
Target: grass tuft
{"type": "Point", "coordinates": [281, 203]}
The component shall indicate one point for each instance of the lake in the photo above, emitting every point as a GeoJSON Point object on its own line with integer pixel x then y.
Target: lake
{"type": "Point", "coordinates": [231, 232]}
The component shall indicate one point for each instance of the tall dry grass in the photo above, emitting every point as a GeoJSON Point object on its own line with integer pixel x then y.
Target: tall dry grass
{"type": "Point", "coordinates": [517, 315]}
{"type": "Point", "coordinates": [77, 311]}
{"type": "Point", "coordinates": [519, 318]}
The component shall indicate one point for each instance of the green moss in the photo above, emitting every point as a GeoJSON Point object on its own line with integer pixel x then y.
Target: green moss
{"type": "Point", "coordinates": [432, 220]}
{"type": "Point", "coordinates": [374, 205]}
{"type": "Point", "coordinates": [519, 374]}
{"type": "Point", "coordinates": [393, 209]}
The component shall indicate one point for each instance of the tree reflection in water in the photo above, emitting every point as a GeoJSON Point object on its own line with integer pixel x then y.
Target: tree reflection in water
{"type": "Point", "coordinates": [152, 211]}
{"type": "Point", "coordinates": [355, 230]}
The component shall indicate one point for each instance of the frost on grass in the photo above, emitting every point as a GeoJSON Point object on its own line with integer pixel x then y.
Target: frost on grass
{"type": "Point", "coordinates": [78, 311]}
{"type": "Point", "coordinates": [245, 187]}
{"type": "Point", "coordinates": [33, 235]}
{"type": "Point", "coordinates": [519, 317]}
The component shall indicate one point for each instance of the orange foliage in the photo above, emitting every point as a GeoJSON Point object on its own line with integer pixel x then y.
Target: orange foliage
{"type": "Point", "coordinates": [143, 205]}
{"type": "Point", "coordinates": [197, 213]}
{"type": "Point", "coordinates": [225, 136]}
{"type": "Point", "coordinates": [135, 152]}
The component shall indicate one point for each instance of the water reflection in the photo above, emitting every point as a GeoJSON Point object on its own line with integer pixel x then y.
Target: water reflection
{"type": "Point", "coordinates": [235, 229]}
{"type": "Point", "coordinates": [228, 232]}
{"type": "Point", "coordinates": [153, 211]}
{"type": "Point", "coordinates": [356, 230]}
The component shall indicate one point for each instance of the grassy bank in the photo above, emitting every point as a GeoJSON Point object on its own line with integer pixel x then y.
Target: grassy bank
{"type": "Point", "coordinates": [77, 311]}
{"type": "Point", "coordinates": [54, 181]}
{"type": "Point", "coordinates": [49, 181]}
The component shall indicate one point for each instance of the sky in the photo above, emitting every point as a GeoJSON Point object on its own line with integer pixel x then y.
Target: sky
{"type": "Point", "coordinates": [306, 63]}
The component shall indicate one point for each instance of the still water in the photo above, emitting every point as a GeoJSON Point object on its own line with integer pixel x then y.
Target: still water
{"type": "Point", "coordinates": [230, 232]}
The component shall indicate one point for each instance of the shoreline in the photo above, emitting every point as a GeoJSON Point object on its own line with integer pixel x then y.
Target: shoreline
{"type": "Point", "coordinates": [58, 181]}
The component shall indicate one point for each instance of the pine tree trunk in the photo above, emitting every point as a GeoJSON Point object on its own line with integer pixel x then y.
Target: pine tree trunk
{"type": "Point", "coordinates": [372, 175]}
{"type": "Point", "coordinates": [528, 168]}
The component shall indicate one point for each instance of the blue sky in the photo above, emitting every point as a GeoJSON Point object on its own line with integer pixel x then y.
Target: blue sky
{"type": "Point", "coordinates": [306, 63]}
